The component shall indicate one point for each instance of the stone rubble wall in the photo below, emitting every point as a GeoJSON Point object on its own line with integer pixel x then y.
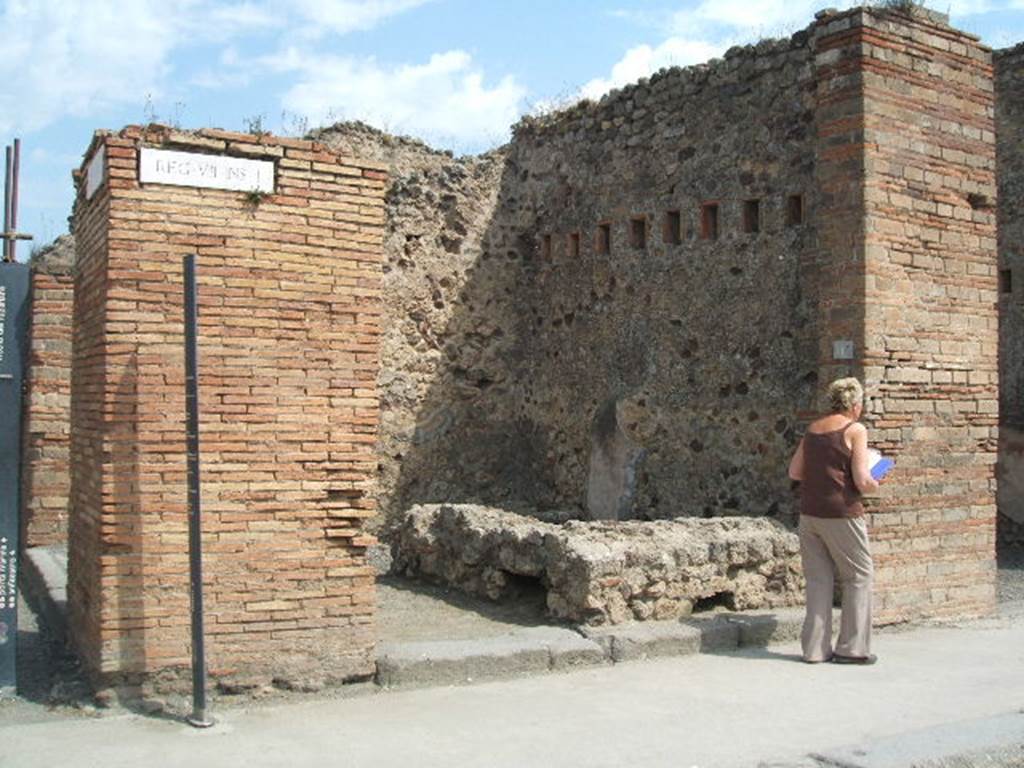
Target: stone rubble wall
{"type": "Point", "coordinates": [45, 478]}
{"type": "Point", "coordinates": [1009, 68]}
{"type": "Point", "coordinates": [601, 572]}
{"type": "Point", "coordinates": [706, 347]}
{"type": "Point", "coordinates": [502, 350]}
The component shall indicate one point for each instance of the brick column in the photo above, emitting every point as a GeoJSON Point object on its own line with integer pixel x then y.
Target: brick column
{"type": "Point", "coordinates": [289, 312]}
{"type": "Point", "coordinates": [44, 470]}
{"type": "Point", "coordinates": [914, 99]}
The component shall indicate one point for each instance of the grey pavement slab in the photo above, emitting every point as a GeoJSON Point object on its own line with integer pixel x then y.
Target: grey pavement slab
{"type": "Point", "coordinates": [748, 707]}
{"type": "Point", "coordinates": [956, 745]}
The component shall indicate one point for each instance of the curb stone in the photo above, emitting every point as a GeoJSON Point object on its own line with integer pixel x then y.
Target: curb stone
{"type": "Point", "coordinates": [543, 649]}
{"type": "Point", "coordinates": [442, 662]}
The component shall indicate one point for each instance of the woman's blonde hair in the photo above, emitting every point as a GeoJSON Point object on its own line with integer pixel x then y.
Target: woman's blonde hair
{"type": "Point", "coordinates": [844, 394]}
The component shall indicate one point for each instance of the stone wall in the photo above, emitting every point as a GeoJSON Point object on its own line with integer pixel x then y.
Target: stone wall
{"type": "Point", "coordinates": [289, 311]}
{"type": "Point", "coordinates": [1010, 167]}
{"type": "Point", "coordinates": [441, 322]}
{"type": "Point", "coordinates": [687, 340]}
{"type": "Point", "coordinates": [665, 285]}
{"type": "Point", "coordinates": [506, 351]}
{"type": "Point", "coordinates": [45, 473]}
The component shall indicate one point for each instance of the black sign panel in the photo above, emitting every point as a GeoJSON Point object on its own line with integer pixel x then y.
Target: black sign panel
{"type": "Point", "coordinates": [14, 307]}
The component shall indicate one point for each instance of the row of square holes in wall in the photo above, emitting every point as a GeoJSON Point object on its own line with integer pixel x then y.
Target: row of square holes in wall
{"type": "Point", "coordinates": [672, 227]}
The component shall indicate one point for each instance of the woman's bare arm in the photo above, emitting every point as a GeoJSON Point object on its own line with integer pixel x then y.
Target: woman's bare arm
{"type": "Point", "coordinates": [796, 464]}
{"type": "Point", "coordinates": [860, 461]}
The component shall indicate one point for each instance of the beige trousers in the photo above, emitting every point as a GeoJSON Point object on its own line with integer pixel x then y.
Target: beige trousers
{"type": "Point", "coordinates": [829, 546]}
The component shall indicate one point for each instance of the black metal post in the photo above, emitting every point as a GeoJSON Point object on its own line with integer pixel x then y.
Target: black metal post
{"type": "Point", "coordinates": [13, 242]}
{"type": "Point", "coordinates": [7, 203]}
{"type": "Point", "coordinates": [198, 718]}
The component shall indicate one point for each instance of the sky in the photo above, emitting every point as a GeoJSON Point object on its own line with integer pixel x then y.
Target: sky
{"type": "Point", "coordinates": [455, 73]}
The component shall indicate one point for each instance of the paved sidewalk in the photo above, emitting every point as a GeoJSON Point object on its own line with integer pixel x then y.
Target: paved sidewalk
{"type": "Point", "coordinates": [937, 691]}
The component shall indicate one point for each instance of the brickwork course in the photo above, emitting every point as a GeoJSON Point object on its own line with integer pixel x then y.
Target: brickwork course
{"type": "Point", "coordinates": [922, 115]}
{"type": "Point", "coordinates": [45, 476]}
{"type": "Point", "coordinates": [289, 310]}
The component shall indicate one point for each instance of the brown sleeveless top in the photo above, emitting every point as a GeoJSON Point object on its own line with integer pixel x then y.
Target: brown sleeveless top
{"type": "Point", "coordinates": [828, 489]}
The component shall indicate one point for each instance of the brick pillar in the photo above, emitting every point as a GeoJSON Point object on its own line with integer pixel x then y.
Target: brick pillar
{"type": "Point", "coordinates": [913, 97]}
{"type": "Point", "coordinates": [289, 312]}
{"type": "Point", "coordinates": [45, 480]}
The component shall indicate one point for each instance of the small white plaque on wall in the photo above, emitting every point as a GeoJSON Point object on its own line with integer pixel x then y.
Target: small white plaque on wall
{"type": "Point", "coordinates": [842, 350]}
{"type": "Point", "coordinates": [190, 169]}
{"type": "Point", "coordinates": [95, 172]}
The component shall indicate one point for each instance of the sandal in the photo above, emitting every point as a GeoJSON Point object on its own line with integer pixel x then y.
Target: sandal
{"type": "Point", "coordinates": [863, 660]}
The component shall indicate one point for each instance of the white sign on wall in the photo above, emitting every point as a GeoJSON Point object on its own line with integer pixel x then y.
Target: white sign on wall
{"type": "Point", "coordinates": [95, 172]}
{"type": "Point", "coordinates": [189, 169]}
{"type": "Point", "coordinates": [842, 349]}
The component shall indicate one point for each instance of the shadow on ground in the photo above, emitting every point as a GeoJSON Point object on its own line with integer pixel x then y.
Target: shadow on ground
{"type": "Point", "coordinates": [411, 610]}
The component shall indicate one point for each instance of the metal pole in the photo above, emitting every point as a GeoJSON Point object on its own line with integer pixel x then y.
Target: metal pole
{"type": "Point", "coordinates": [198, 718]}
{"type": "Point", "coordinates": [7, 204]}
{"type": "Point", "coordinates": [13, 243]}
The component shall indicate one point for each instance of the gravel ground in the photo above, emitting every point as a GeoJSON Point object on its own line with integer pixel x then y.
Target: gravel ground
{"type": "Point", "coordinates": [1010, 586]}
{"type": "Point", "coordinates": [50, 682]}
{"type": "Point", "coordinates": [411, 610]}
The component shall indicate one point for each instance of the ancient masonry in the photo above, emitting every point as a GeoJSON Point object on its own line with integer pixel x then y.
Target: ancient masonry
{"type": "Point", "coordinates": [289, 317]}
{"type": "Point", "coordinates": [628, 311]}
{"type": "Point", "coordinates": [606, 572]}
{"type": "Point", "coordinates": [643, 297]}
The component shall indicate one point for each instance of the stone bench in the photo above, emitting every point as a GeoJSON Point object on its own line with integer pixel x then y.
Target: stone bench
{"type": "Point", "coordinates": [604, 572]}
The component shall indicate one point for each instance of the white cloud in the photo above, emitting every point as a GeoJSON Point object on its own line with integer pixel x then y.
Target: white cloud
{"type": "Point", "coordinates": [970, 7]}
{"type": "Point", "coordinates": [343, 16]}
{"type": "Point", "coordinates": [70, 58]}
{"type": "Point", "coordinates": [44, 156]}
{"type": "Point", "coordinates": [739, 17]}
{"type": "Point", "coordinates": [642, 60]}
{"type": "Point", "coordinates": [444, 100]}
{"type": "Point", "coordinates": [212, 80]}
{"type": "Point", "coordinates": [81, 57]}
{"type": "Point", "coordinates": [243, 15]}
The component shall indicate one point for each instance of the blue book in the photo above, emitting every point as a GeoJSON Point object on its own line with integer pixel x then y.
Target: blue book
{"type": "Point", "coordinates": [880, 465]}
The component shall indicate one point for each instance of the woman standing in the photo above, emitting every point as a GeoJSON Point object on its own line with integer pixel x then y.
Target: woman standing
{"type": "Point", "coordinates": [832, 465]}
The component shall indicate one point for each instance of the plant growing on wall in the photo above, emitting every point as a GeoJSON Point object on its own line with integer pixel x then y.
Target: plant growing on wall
{"type": "Point", "coordinates": [906, 7]}
{"type": "Point", "coordinates": [254, 197]}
